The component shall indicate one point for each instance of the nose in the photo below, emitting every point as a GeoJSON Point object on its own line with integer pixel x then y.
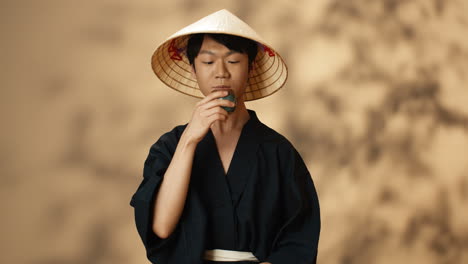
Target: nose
{"type": "Point", "coordinates": [222, 71]}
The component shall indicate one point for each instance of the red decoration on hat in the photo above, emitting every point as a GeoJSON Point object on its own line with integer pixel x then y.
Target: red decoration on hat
{"type": "Point", "coordinates": [175, 52]}
{"type": "Point", "coordinates": [270, 52]}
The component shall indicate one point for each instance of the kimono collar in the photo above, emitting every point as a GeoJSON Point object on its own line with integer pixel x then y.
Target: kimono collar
{"type": "Point", "coordinates": [244, 157]}
{"type": "Point", "coordinates": [231, 186]}
{"type": "Point", "coordinates": [251, 129]}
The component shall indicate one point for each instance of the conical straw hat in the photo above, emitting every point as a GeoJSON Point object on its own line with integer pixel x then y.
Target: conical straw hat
{"type": "Point", "coordinates": [172, 67]}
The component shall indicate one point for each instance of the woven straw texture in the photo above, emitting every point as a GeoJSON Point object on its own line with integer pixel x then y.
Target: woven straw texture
{"type": "Point", "coordinates": [171, 65]}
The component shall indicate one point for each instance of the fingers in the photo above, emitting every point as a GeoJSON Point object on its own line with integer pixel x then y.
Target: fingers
{"type": "Point", "coordinates": [217, 117]}
{"type": "Point", "coordinates": [217, 102]}
{"type": "Point", "coordinates": [214, 111]}
{"type": "Point", "coordinates": [206, 112]}
{"type": "Point", "coordinates": [213, 95]}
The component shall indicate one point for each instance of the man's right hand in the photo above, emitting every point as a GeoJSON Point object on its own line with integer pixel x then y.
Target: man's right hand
{"type": "Point", "coordinates": [170, 200]}
{"type": "Point", "coordinates": [206, 112]}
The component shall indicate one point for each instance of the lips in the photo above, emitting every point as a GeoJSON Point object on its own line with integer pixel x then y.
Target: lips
{"type": "Point", "coordinates": [222, 87]}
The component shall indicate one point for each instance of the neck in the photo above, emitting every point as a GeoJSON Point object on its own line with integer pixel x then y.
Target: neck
{"type": "Point", "coordinates": [235, 121]}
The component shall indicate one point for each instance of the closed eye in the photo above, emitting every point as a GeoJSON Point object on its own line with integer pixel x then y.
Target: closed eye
{"type": "Point", "coordinates": [233, 61]}
{"type": "Point", "coordinates": [207, 62]}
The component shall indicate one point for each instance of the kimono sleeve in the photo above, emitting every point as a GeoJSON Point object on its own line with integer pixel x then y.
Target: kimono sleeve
{"type": "Point", "coordinates": [297, 240]}
{"type": "Point", "coordinates": [155, 166]}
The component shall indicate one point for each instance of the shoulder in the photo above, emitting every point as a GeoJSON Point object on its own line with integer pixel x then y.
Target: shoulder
{"type": "Point", "coordinates": [173, 134]}
{"type": "Point", "coordinates": [169, 140]}
{"type": "Point", "coordinates": [269, 136]}
{"type": "Point", "coordinates": [277, 144]}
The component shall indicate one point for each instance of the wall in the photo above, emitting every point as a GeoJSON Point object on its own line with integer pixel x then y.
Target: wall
{"type": "Point", "coordinates": [376, 103]}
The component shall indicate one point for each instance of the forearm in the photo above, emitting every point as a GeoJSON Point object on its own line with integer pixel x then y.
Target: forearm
{"type": "Point", "coordinates": [170, 199]}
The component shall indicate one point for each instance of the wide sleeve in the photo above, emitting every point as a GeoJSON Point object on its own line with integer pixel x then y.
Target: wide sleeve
{"type": "Point", "coordinates": [159, 157]}
{"type": "Point", "coordinates": [297, 240]}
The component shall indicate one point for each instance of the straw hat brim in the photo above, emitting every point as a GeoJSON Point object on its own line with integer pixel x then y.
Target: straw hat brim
{"type": "Point", "coordinates": [169, 62]}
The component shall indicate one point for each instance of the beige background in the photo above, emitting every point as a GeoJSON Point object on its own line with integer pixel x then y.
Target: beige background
{"type": "Point", "coordinates": [376, 103]}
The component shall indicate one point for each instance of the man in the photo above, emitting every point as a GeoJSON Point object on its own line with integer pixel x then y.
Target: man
{"type": "Point", "coordinates": [224, 188]}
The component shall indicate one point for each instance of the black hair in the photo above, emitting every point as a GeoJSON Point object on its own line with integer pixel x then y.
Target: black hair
{"type": "Point", "coordinates": [236, 43]}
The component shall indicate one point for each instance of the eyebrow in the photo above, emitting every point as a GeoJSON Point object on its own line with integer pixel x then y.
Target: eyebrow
{"type": "Point", "coordinates": [230, 52]}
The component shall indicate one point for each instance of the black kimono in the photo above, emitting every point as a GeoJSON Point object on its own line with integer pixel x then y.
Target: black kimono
{"type": "Point", "coordinates": [265, 204]}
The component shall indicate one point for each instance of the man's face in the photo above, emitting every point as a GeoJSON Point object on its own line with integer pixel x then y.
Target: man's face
{"type": "Point", "coordinates": [217, 67]}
